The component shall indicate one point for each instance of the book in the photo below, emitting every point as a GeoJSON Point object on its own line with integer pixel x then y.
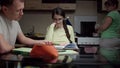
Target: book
{"type": "Point", "coordinates": [70, 46]}
{"type": "Point", "coordinates": [25, 51]}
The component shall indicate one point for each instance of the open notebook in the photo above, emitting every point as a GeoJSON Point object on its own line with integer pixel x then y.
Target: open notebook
{"type": "Point", "coordinates": [26, 51]}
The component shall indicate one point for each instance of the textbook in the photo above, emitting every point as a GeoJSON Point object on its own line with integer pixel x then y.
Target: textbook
{"type": "Point", "coordinates": [26, 51]}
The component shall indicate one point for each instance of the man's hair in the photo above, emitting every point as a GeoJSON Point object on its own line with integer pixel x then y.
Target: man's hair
{"type": "Point", "coordinates": [7, 3]}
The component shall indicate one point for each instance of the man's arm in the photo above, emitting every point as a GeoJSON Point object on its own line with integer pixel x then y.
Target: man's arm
{"type": "Point", "coordinates": [28, 41]}
{"type": "Point", "coordinates": [4, 46]}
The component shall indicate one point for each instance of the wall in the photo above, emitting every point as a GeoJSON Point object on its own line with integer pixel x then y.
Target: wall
{"type": "Point", "coordinates": [40, 20]}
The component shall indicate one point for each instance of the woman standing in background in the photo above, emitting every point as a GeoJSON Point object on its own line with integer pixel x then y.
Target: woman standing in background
{"type": "Point", "coordinates": [110, 33]}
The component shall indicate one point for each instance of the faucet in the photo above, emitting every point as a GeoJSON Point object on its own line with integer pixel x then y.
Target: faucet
{"type": "Point", "coordinates": [32, 31]}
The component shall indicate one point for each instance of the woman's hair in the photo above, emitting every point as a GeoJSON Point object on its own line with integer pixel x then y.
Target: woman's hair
{"type": "Point", "coordinates": [111, 3]}
{"type": "Point", "coordinates": [58, 11]}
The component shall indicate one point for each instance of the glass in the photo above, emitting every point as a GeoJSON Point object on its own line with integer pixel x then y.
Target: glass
{"type": "Point", "coordinates": [77, 60]}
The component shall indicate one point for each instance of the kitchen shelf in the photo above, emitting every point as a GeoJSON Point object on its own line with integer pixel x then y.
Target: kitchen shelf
{"type": "Point", "coordinates": [38, 5]}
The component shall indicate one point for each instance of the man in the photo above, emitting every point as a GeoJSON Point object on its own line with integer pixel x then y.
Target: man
{"type": "Point", "coordinates": [11, 12]}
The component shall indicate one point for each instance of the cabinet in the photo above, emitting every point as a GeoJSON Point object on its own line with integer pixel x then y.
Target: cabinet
{"type": "Point", "coordinates": [39, 5]}
{"type": "Point", "coordinates": [33, 4]}
{"type": "Point", "coordinates": [88, 45]}
{"type": "Point", "coordinates": [101, 7]}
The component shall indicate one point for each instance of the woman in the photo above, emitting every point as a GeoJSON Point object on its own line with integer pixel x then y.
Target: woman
{"type": "Point", "coordinates": [56, 32]}
{"type": "Point", "coordinates": [110, 33]}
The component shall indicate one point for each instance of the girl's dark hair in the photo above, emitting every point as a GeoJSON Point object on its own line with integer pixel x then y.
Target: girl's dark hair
{"type": "Point", "coordinates": [58, 11]}
{"type": "Point", "coordinates": [112, 3]}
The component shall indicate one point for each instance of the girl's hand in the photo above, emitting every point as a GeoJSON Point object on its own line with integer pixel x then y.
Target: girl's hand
{"type": "Point", "coordinates": [63, 44]}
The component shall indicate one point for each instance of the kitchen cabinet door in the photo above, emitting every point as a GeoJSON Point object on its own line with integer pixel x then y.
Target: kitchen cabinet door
{"type": "Point", "coordinates": [33, 4]}
{"type": "Point", "coordinates": [50, 4]}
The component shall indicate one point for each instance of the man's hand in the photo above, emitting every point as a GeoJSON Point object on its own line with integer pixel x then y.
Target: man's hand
{"type": "Point", "coordinates": [44, 42]}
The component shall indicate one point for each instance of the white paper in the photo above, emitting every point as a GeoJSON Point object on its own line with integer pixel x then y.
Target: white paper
{"type": "Point", "coordinates": [59, 47]}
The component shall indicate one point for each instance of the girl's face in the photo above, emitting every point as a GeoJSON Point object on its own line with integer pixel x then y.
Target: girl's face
{"type": "Point", "coordinates": [58, 19]}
